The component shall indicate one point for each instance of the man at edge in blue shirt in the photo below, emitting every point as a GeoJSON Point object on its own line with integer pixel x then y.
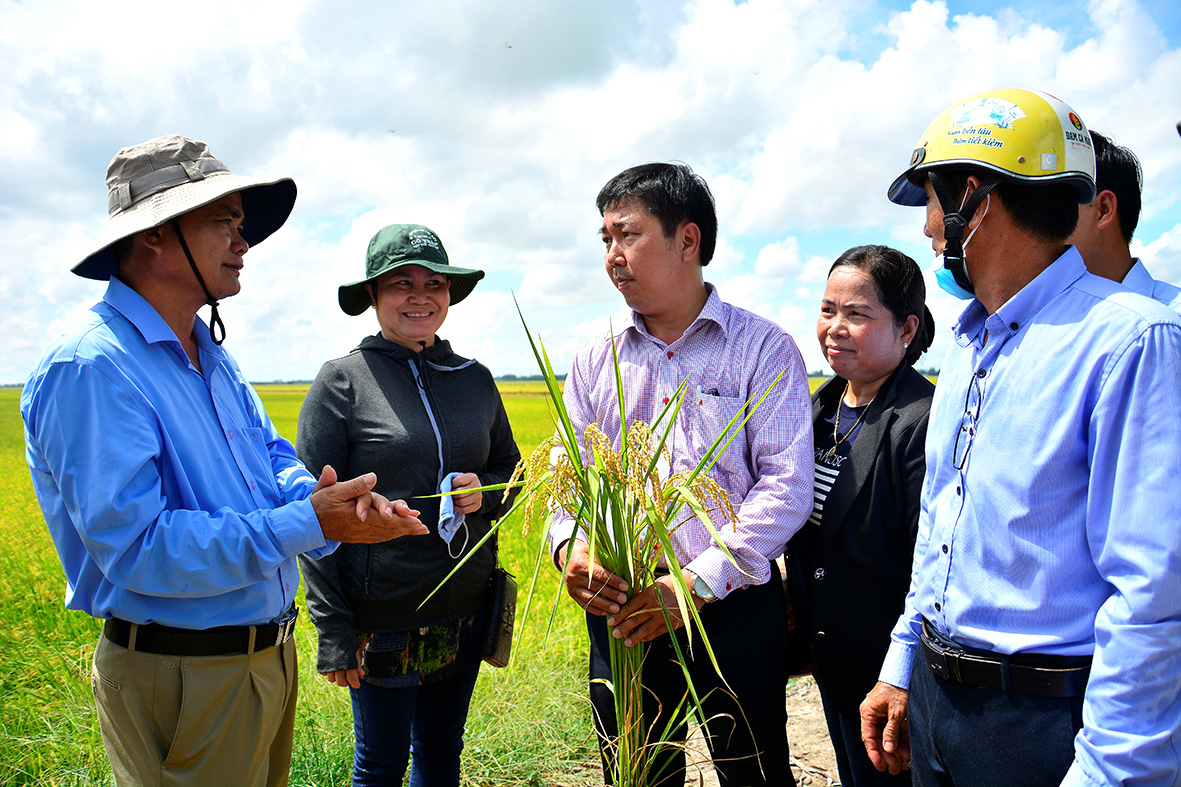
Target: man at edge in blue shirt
{"type": "Point", "coordinates": [176, 508]}
{"type": "Point", "coordinates": [1104, 232]}
{"type": "Point", "coordinates": [1039, 642]}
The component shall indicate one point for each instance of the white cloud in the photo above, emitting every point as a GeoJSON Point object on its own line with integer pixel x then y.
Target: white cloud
{"type": "Point", "coordinates": [779, 260]}
{"type": "Point", "coordinates": [497, 125]}
{"type": "Point", "coordinates": [1162, 256]}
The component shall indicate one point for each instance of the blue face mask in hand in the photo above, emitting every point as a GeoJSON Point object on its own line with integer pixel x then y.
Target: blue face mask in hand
{"type": "Point", "coordinates": [449, 520]}
{"type": "Point", "coordinates": [944, 277]}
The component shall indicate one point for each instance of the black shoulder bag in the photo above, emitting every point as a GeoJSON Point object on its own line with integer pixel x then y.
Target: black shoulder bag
{"type": "Point", "coordinates": [502, 612]}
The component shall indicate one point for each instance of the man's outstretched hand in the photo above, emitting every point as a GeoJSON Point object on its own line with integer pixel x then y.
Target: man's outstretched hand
{"type": "Point", "coordinates": [352, 512]}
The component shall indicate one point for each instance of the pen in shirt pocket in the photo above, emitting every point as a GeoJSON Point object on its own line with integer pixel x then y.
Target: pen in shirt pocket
{"type": "Point", "coordinates": [705, 392]}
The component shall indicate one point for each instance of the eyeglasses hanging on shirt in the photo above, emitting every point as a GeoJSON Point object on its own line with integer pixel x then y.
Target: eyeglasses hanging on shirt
{"type": "Point", "coordinates": [967, 433]}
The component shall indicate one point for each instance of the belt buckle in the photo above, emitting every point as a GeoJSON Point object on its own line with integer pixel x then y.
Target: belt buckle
{"type": "Point", "coordinates": [286, 625]}
{"type": "Point", "coordinates": [939, 665]}
{"type": "Point", "coordinates": [947, 665]}
{"type": "Point", "coordinates": [953, 665]}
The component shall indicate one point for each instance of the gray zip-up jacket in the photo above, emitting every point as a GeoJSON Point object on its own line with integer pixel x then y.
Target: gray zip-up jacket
{"type": "Point", "coordinates": [412, 418]}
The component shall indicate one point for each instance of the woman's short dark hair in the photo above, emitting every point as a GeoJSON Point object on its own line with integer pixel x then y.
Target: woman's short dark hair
{"type": "Point", "coordinates": [673, 193]}
{"type": "Point", "coordinates": [900, 287]}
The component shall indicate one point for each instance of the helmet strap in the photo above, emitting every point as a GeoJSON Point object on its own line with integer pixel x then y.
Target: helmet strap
{"type": "Point", "coordinates": [956, 219]}
{"type": "Point", "coordinates": [216, 326]}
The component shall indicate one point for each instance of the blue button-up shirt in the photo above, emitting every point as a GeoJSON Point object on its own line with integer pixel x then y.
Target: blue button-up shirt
{"type": "Point", "coordinates": [1051, 518]}
{"type": "Point", "coordinates": [1139, 280]}
{"type": "Point", "coordinates": [169, 494]}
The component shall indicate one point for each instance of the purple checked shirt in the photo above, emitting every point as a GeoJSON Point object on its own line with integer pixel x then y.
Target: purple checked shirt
{"type": "Point", "coordinates": [728, 355]}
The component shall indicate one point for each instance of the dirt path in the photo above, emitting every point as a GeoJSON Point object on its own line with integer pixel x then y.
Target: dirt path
{"type": "Point", "coordinates": [812, 759]}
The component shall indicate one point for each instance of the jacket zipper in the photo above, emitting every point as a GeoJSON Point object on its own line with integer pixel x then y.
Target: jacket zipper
{"type": "Point", "coordinates": [422, 383]}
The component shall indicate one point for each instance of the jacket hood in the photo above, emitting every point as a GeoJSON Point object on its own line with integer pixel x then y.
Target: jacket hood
{"type": "Point", "coordinates": [438, 354]}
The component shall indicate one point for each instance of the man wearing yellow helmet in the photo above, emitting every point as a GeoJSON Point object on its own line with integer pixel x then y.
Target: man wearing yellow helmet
{"type": "Point", "coordinates": [1039, 640]}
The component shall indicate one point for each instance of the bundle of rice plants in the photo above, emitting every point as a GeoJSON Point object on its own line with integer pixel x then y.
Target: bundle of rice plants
{"type": "Point", "coordinates": [626, 506]}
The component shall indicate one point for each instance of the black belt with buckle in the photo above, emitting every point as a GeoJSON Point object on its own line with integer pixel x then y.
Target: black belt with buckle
{"type": "Point", "coordinates": [220, 641]}
{"type": "Point", "coordinates": [1036, 674]}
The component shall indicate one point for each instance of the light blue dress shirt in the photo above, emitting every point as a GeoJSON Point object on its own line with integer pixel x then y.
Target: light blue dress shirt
{"type": "Point", "coordinates": [169, 495]}
{"type": "Point", "coordinates": [1061, 534]}
{"type": "Point", "coordinates": [1139, 280]}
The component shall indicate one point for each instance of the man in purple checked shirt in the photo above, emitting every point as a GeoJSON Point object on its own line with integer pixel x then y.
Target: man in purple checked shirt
{"type": "Point", "coordinates": [659, 232]}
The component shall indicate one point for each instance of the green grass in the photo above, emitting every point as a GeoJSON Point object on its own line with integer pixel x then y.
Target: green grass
{"type": "Point", "coordinates": [529, 724]}
{"type": "Point", "coordinates": [522, 388]}
{"type": "Point", "coordinates": [48, 726]}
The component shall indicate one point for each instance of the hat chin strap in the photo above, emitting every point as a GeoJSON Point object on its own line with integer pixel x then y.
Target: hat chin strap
{"type": "Point", "coordinates": [955, 220]}
{"type": "Point", "coordinates": [216, 326]}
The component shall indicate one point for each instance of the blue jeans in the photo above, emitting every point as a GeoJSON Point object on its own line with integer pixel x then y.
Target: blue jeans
{"type": "Point", "coordinates": [426, 721]}
{"type": "Point", "coordinates": [974, 736]}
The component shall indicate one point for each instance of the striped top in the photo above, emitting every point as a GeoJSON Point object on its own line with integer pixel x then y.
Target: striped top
{"type": "Point", "coordinates": [828, 462]}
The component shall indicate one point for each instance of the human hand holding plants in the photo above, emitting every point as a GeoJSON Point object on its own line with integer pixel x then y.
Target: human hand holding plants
{"type": "Point", "coordinates": [466, 504]}
{"type": "Point", "coordinates": [622, 498]}
{"type": "Point", "coordinates": [642, 619]}
{"type": "Point", "coordinates": [603, 593]}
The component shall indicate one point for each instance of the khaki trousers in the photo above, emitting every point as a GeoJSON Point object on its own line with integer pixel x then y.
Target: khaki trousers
{"type": "Point", "coordinates": [184, 721]}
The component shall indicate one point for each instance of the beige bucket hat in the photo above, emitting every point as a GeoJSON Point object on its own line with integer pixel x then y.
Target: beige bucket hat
{"type": "Point", "coordinates": [158, 180]}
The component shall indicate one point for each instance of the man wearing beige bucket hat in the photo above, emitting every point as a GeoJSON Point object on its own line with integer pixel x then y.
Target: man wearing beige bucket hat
{"type": "Point", "coordinates": [176, 507]}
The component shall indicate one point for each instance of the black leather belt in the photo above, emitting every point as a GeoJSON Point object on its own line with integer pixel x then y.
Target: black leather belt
{"type": "Point", "coordinates": [220, 641]}
{"type": "Point", "coordinates": [1039, 675]}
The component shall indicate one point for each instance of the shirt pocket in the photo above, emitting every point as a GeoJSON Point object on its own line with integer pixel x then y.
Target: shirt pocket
{"type": "Point", "coordinates": [709, 416]}
{"type": "Point", "coordinates": [249, 446]}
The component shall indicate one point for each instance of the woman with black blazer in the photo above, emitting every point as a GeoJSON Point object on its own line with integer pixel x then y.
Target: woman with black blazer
{"type": "Point", "coordinates": [850, 563]}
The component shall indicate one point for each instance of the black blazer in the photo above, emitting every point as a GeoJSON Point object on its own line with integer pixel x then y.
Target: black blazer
{"type": "Point", "coordinates": [851, 574]}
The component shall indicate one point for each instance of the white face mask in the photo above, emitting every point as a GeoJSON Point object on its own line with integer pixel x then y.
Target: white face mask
{"type": "Point", "coordinates": [987, 203]}
{"type": "Point", "coordinates": [943, 276]}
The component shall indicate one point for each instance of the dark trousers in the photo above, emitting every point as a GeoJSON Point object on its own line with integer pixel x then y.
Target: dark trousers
{"type": "Point", "coordinates": [844, 730]}
{"type": "Point", "coordinates": [973, 736]}
{"type": "Point", "coordinates": [426, 721]}
{"type": "Point", "coordinates": [748, 632]}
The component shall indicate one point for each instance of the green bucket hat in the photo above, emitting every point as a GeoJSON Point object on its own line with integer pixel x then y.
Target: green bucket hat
{"type": "Point", "coordinates": [406, 244]}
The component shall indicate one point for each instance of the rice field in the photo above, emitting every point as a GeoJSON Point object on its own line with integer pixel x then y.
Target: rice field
{"type": "Point", "coordinates": [529, 724]}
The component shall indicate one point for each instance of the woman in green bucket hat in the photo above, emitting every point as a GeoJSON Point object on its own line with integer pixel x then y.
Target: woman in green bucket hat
{"type": "Point", "coordinates": [426, 420]}
{"type": "Point", "coordinates": [397, 246]}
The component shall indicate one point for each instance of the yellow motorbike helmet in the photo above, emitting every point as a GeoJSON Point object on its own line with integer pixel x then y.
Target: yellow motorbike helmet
{"type": "Point", "coordinates": [1021, 135]}
{"type": "Point", "coordinates": [1011, 134]}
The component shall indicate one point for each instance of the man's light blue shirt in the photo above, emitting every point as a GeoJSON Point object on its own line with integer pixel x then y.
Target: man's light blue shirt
{"type": "Point", "coordinates": [1061, 534]}
{"type": "Point", "coordinates": [170, 496]}
{"type": "Point", "coordinates": [1139, 280]}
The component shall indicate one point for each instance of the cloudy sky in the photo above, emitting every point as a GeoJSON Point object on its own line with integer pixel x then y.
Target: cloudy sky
{"type": "Point", "coordinates": [497, 123]}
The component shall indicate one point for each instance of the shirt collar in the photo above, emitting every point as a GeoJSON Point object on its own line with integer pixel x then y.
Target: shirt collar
{"type": "Point", "coordinates": [1021, 308]}
{"type": "Point", "coordinates": [714, 311]}
{"type": "Point", "coordinates": [1139, 280]}
{"type": "Point", "coordinates": [137, 311]}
